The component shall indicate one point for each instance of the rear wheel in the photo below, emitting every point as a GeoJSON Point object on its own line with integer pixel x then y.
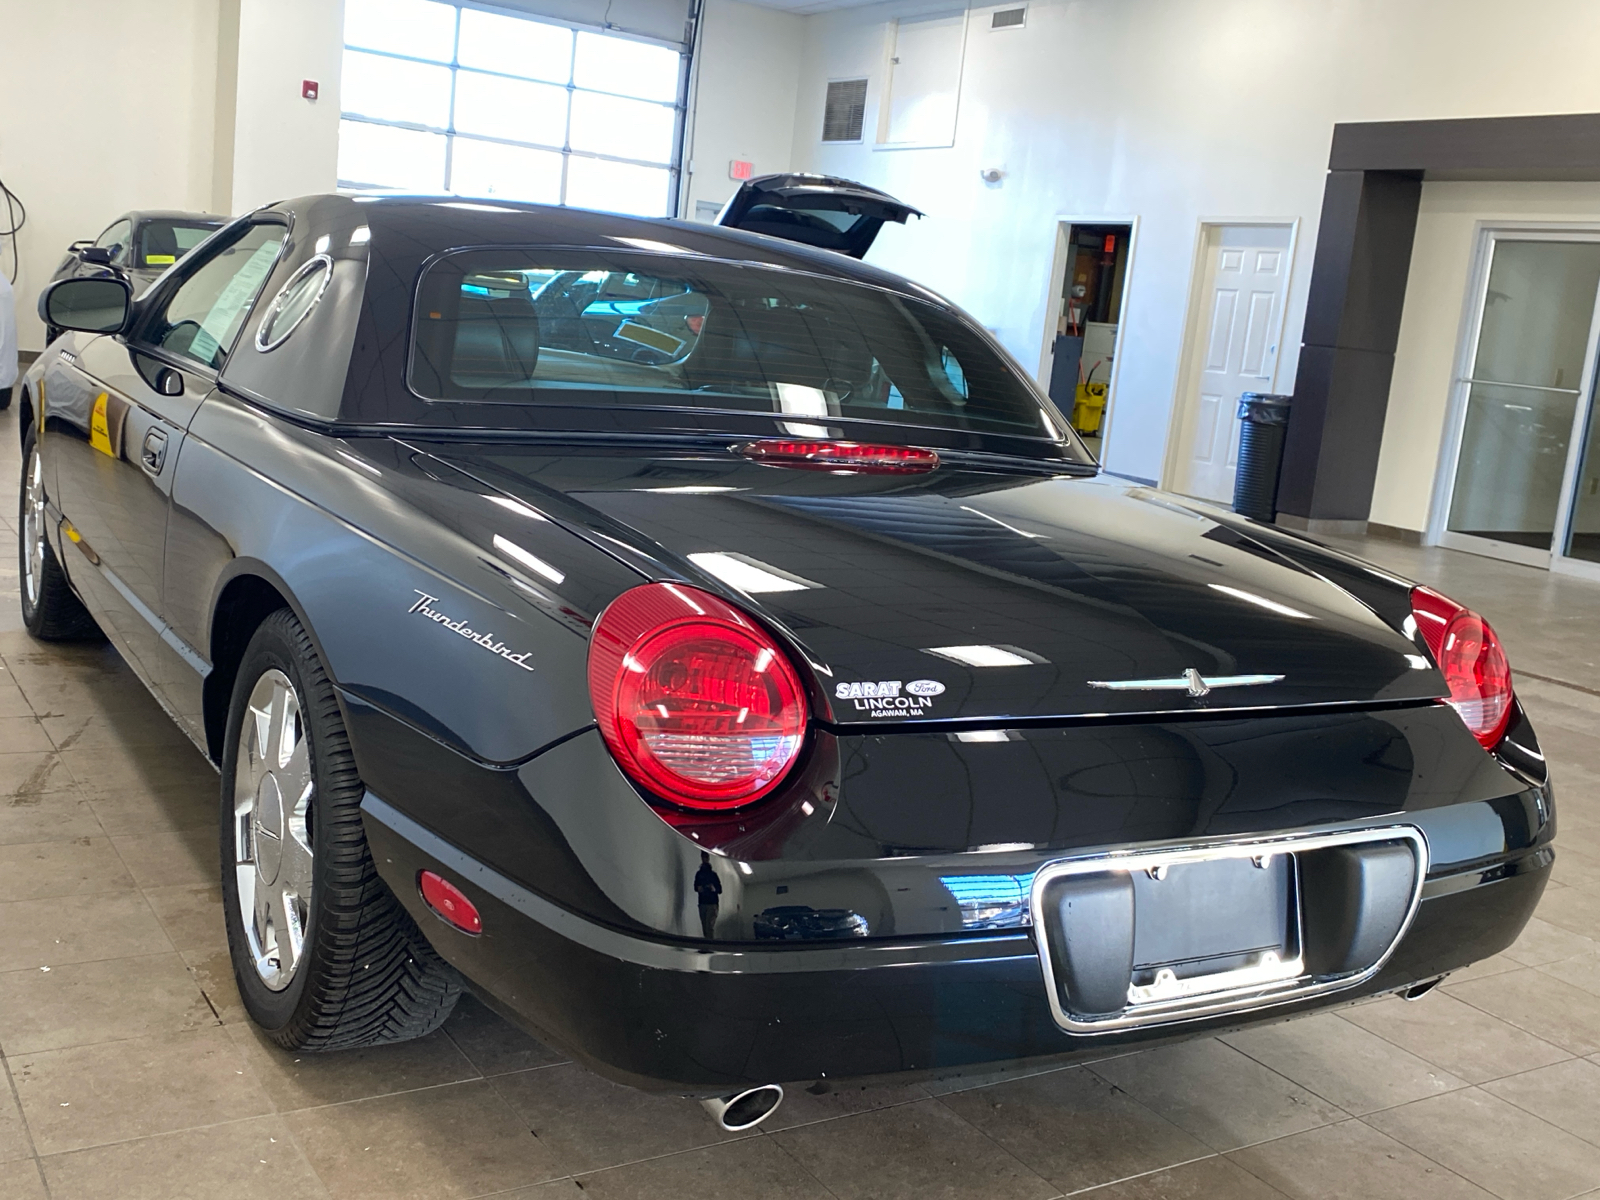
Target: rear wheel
{"type": "Point", "coordinates": [50, 610]}
{"type": "Point", "coordinates": [325, 956]}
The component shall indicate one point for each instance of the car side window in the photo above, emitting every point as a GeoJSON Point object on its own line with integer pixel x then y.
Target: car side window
{"type": "Point", "coordinates": [117, 239]}
{"type": "Point", "coordinates": [203, 317]}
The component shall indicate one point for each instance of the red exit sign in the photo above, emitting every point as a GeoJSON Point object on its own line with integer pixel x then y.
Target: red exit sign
{"type": "Point", "coordinates": [739, 169]}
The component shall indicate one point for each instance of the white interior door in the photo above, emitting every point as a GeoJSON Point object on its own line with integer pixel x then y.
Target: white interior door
{"type": "Point", "coordinates": [1245, 273]}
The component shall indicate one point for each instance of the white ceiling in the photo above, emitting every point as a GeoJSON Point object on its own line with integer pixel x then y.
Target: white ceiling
{"type": "Point", "coordinates": [804, 8]}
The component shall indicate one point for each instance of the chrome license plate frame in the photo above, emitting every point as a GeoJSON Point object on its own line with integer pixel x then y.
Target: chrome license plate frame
{"type": "Point", "coordinates": [1260, 985]}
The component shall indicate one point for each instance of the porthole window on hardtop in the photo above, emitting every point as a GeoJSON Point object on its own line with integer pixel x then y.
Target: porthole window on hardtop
{"type": "Point", "coordinates": [294, 302]}
{"type": "Point", "coordinates": [631, 331]}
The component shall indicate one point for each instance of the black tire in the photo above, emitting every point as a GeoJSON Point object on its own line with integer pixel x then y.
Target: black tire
{"type": "Point", "coordinates": [5, 398]}
{"type": "Point", "coordinates": [51, 611]}
{"type": "Point", "coordinates": [363, 973]}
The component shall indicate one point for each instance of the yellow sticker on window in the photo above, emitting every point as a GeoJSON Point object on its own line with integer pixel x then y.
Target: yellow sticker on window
{"type": "Point", "coordinates": [159, 260]}
{"type": "Point", "coordinates": [656, 339]}
{"type": "Point", "coordinates": [99, 428]}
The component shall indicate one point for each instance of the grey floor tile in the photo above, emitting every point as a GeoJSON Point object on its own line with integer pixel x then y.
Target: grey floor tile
{"type": "Point", "coordinates": [72, 929]}
{"type": "Point", "coordinates": [14, 1140]}
{"type": "Point", "coordinates": [113, 771]}
{"type": "Point", "coordinates": [1547, 1007]}
{"type": "Point", "coordinates": [80, 1004]}
{"type": "Point", "coordinates": [118, 1091]}
{"type": "Point", "coordinates": [1454, 1035]}
{"type": "Point", "coordinates": [1496, 1145]}
{"type": "Point", "coordinates": [1075, 1129]}
{"type": "Point", "coordinates": [1352, 1161]}
{"type": "Point", "coordinates": [24, 735]}
{"type": "Point", "coordinates": [74, 867]}
{"type": "Point", "coordinates": [1208, 1179]}
{"type": "Point", "coordinates": [191, 914]}
{"type": "Point", "coordinates": [137, 810]}
{"type": "Point", "coordinates": [1495, 964]}
{"type": "Point", "coordinates": [735, 1171]}
{"type": "Point", "coordinates": [1343, 1063]}
{"type": "Point", "coordinates": [920, 1150]}
{"type": "Point", "coordinates": [46, 817]}
{"type": "Point", "coordinates": [212, 973]}
{"type": "Point", "coordinates": [1575, 909]}
{"type": "Point", "coordinates": [1565, 1094]}
{"type": "Point", "coordinates": [802, 1106]}
{"type": "Point", "coordinates": [255, 1159]}
{"type": "Point", "coordinates": [129, 727]}
{"type": "Point", "coordinates": [494, 1045]}
{"type": "Point", "coordinates": [1223, 1097]}
{"type": "Point", "coordinates": [1582, 972]}
{"type": "Point", "coordinates": [437, 1144]}
{"type": "Point", "coordinates": [169, 859]}
{"type": "Point", "coordinates": [20, 1180]}
{"type": "Point", "coordinates": [590, 1123]}
{"type": "Point", "coordinates": [1542, 942]}
{"type": "Point", "coordinates": [977, 1078]}
{"type": "Point", "coordinates": [297, 1079]}
{"type": "Point", "coordinates": [23, 774]}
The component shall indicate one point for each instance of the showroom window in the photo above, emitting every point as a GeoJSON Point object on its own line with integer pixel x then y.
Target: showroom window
{"type": "Point", "coordinates": [444, 97]}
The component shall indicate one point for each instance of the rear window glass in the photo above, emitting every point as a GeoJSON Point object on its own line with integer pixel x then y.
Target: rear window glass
{"type": "Point", "coordinates": [531, 327]}
{"type": "Point", "coordinates": [162, 243]}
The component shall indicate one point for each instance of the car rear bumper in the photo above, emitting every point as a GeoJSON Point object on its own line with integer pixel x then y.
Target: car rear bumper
{"type": "Point", "coordinates": [681, 1016]}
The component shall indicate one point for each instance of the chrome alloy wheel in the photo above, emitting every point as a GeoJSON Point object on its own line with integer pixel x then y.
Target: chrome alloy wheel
{"type": "Point", "coordinates": [272, 797]}
{"type": "Point", "coordinates": [33, 523]}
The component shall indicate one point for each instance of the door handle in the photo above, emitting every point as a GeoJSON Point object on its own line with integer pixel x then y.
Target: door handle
{"type": "Point", "coordinates": [154, 452]}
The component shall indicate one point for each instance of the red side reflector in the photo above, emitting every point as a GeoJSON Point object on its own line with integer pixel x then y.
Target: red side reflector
{"type": "Point", "coordinates": [841, 456]}
{"type": "Point", "coordinates": [449, 901]}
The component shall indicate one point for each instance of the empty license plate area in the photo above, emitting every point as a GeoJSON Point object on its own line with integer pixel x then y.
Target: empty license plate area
{"type": "Point", "coordinates": [1152, 936]}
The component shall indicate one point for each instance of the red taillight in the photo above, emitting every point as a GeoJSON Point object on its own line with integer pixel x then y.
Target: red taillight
{"type": "Point", "coordinates": [695, 700]}
{"type": "Point", "coordinates": [449, 901]}
{"type": "Point", "coordinates": [1469, 656]}
{"type": "Point", "coordinates": [842, 456]}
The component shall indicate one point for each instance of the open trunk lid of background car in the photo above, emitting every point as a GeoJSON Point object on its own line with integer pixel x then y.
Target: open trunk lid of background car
{"type": "Point", "coordinates": [819, 210]}
{"type": "Point", "coordinates": [982, 595]}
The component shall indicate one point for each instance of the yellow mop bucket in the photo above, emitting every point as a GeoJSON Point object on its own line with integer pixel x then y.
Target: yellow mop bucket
{"type": "Point", "coordinates": [1088, 408]}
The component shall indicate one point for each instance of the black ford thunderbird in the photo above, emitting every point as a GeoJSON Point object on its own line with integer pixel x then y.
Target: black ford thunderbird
{"type": "Point", "coordinates": [718, 655]}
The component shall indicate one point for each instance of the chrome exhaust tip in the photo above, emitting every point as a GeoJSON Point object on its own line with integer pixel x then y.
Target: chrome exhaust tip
{"type": "Point", "coordinates": [1418, 990]}
{"type": "Point", "coordinates": [746, 1109]}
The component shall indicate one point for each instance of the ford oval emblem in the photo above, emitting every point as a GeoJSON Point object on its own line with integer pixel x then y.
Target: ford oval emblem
{"type": "Point", "coordinates": [925, 687]}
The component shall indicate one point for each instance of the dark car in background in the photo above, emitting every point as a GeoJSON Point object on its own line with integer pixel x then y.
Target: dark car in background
{"type": "Point", "coordinates": [139, 246]}
{"type": "Point", "coordinates": [720, 655]}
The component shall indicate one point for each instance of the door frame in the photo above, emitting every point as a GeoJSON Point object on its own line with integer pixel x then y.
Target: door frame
{"type": "Point", "coordinates": [1485, 233]}
{"type": "Point", "coordinates": [1188, 370]}
{"type": "Point", "coordinates": [1052, 313]}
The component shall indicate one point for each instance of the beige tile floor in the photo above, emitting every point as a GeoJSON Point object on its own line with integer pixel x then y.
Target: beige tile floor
{"type": "Point", "coordinates": [128, 1071]}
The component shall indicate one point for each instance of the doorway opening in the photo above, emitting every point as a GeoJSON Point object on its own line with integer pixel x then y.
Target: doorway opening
{"type": "Point", "coordinates": [1520, 477]}
{"type": "Point", "coordinates": [1088, 314]}
{"type": "Point", "coordinates": [1234, 331]}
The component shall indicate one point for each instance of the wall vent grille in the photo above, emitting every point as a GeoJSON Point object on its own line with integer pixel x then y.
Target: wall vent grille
{"type": "Point", "coordinates": [1009, 18]}
{"type": "Point", "coordinates": [845, 111]}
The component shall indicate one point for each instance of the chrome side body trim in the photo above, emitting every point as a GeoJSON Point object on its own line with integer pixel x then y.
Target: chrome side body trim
{"type": "Point", "coordinates": [1255, 988]}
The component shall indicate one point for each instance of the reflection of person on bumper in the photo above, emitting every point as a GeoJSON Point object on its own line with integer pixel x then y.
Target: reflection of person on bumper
{"type": "Point", "coordinates": [708, 887]}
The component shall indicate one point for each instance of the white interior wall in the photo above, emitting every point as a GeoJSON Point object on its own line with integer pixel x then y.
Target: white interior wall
{"type": "Point", "coordinates": [1426, 357]}
{"type": "Point", "coordinates": [82, 141]}
{"type": "Point", "coordinates": [747, 75]}
{"type": "Point", "coordinates": [1177, 111]}
{"type": "Point", "coordinates": [283, 145]}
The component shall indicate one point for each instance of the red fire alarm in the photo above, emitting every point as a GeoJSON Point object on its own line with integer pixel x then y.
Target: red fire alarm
{"type": "Point", "coordinates": [308, 89]}
{"type": "Point", "coordinates": [739, 169]}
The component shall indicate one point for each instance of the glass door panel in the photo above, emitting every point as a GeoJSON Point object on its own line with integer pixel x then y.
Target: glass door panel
{"type": "Point", "coordinates": [1523, 391]}
{"type": "Point", "coordinates": [1583, 538]}
{"type": "Point", "coordinates": [1513, 453]}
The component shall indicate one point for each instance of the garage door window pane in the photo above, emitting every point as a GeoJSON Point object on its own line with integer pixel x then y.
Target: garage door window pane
{"type": "Point", "coordinates": [513, 46]}
{"type": "Point", "coordinates": [506, 172]}
{"type": "Point", "coordinates": [381, 156]}
{"type": "Point", "coordinates": [393, 89]}
{"type": "Point", "coordinates": [617, 187]}
{"type": "Point", "coordinates": [494, 106]}
{"type": "Point", "coordinates": [613, 64]}
{"type": "Point", "coordinates": [415, 28]}
{"type": "Point", "coordinates": [621, 128]}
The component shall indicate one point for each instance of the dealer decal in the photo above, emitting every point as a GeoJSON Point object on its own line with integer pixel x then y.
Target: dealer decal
{"type": "Point", "coordinates": [425, 608]}
{"type": "Point", "coordinates": [890, 697]}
